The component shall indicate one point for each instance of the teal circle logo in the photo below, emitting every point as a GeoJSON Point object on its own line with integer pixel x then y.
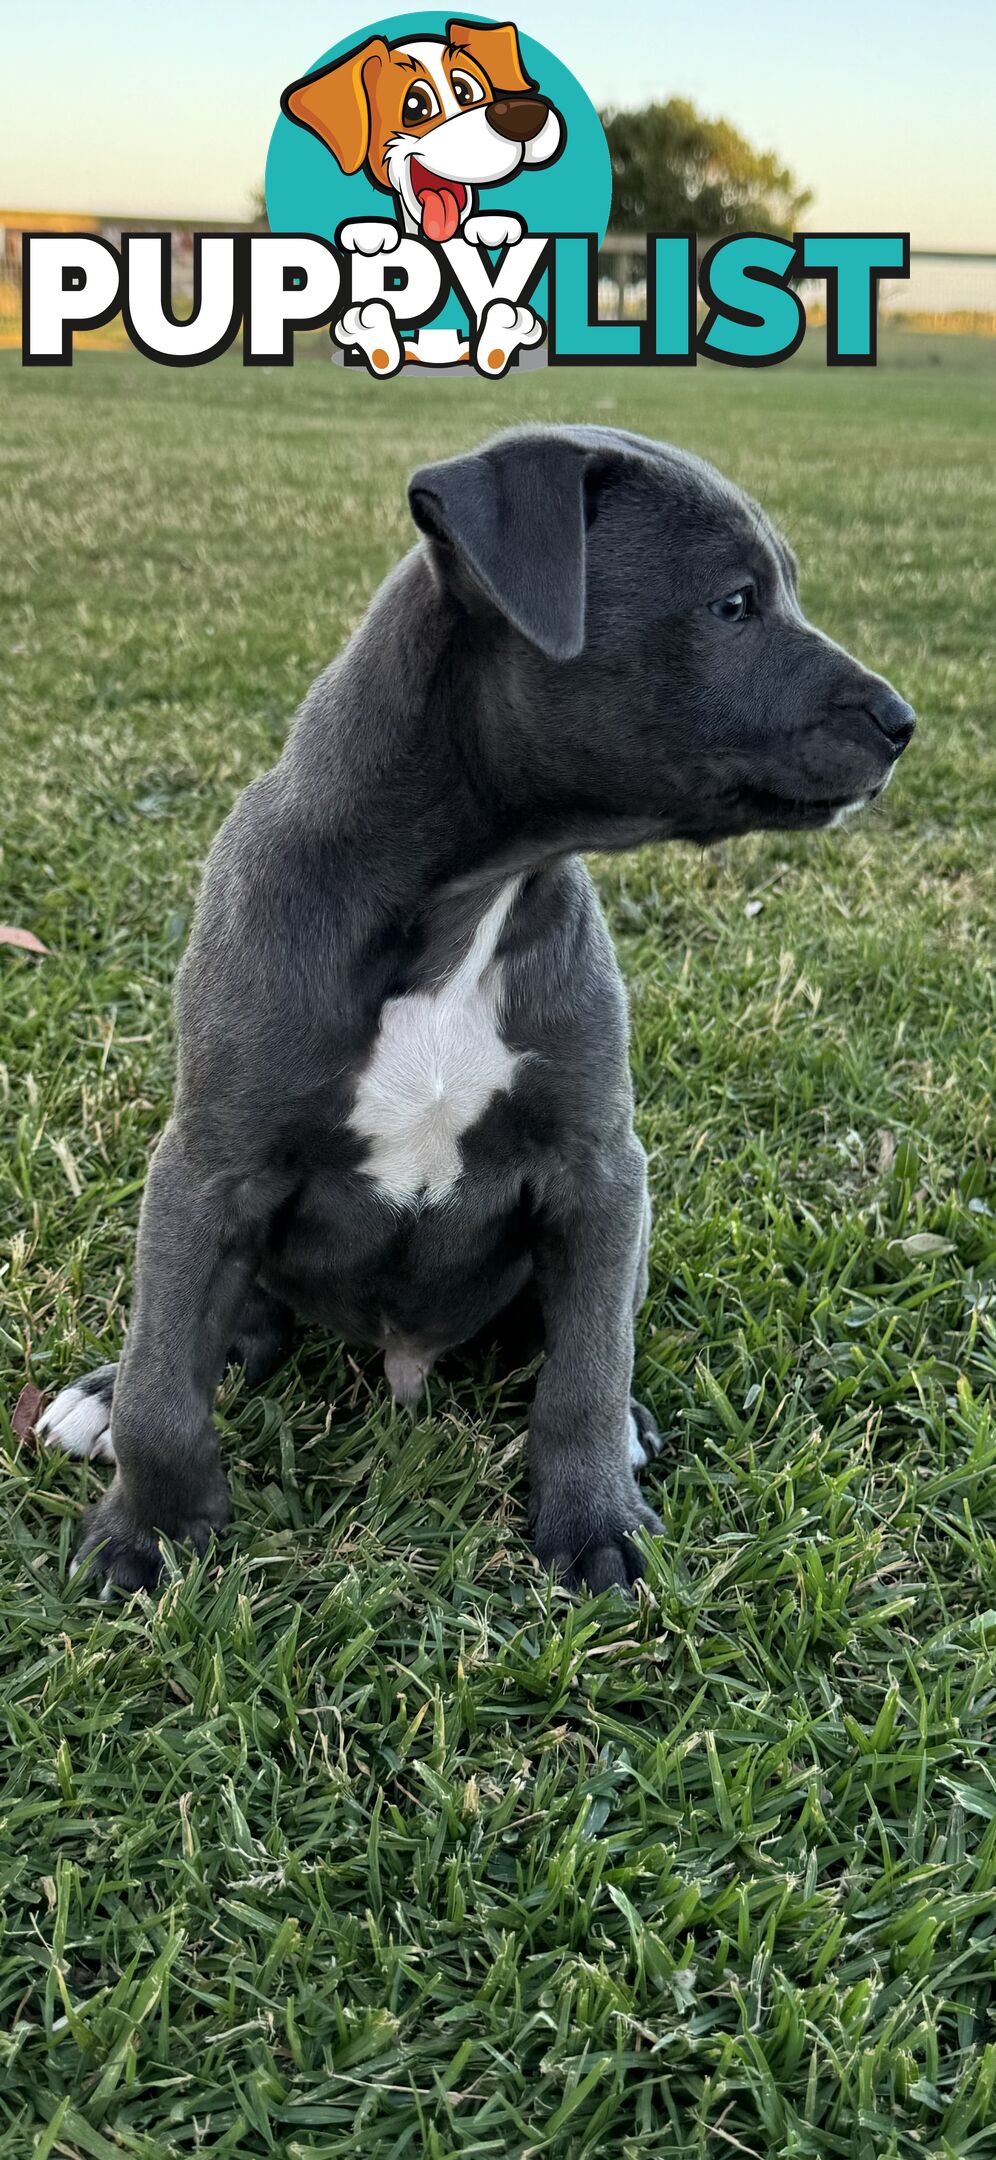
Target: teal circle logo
{"type": "Point", "coordinates": [313, 185]}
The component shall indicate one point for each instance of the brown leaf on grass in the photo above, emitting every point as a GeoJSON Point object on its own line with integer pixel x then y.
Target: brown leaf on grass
{"type": "Point", "coordinates": [886, 1150]}
{"type": "Point", "coordinates": [27, 1410]}
{"type": "Point", "coordinates": [25, 940]}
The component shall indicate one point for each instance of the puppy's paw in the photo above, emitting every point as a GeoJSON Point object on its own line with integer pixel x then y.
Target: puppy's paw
{"type": "Point", "coordinates": [587, 1541]}
{"type": "Point", "coordinates": [493, 229]}
{"type": "Point", "coordinates": [644, 1438]}
{"type": "Point", "coordinates": [79, 1420]}
{"type": "Point", "coordinates": [368, 236]}
{"type": "Point", "coordinates": [369, 324]}
{"type": "Point", "coordinates": [123, 1555]}
{"type": "Point", "coordinates": [504, 329]}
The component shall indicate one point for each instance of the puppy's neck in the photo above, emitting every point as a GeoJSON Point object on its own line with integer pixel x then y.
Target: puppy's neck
{"type": "Point", "coordinates": [426, 761]}
{"type": "Point", "coordinates": [383, 765]}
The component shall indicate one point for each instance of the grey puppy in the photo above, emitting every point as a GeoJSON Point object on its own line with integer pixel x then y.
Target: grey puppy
{"type": "Point", "coordinates": [403, 1094]}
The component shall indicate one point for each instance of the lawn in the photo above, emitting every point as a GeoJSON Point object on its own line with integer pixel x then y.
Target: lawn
{"type": "Point", "coordinates": [365, 1840]}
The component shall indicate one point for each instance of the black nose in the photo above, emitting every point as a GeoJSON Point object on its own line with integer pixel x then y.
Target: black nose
{"type": "Point", "coordinates": [518, 119]}
{"type": "Point", "coordinates": [891, 713]}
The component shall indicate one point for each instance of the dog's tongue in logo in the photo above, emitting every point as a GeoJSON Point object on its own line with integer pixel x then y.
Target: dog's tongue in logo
{"type": "Point", "coordinates": [439, 214]}
{"type": "Point", "coordinates": [441, 202]}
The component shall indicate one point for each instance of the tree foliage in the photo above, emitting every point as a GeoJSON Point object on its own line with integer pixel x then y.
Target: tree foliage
{"type": "Point", "coordinates": [675, 171]}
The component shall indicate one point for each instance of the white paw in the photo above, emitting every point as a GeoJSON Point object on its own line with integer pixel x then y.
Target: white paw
{"type": "Point", "coordinates": [638, 1457]}
{"type": "Point", "coordinates": [78, 1423]}
{"type": "Point", "coordinates": [504, 328]}
{"type": "Point", "coordinates": [370, 325]}
{"type": "Point", "coordinates": [493, 229]}
{"type": "Point", "coordinates": [644, 1438]}
{"type": "Point", "coordinates": [369, 236]}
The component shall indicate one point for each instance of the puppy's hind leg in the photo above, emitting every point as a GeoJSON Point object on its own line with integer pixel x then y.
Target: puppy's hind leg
{"type": "Point", "coordinates": [262, 1340]}
{"type": "Point", "coordinates": [79, 1419]}
{"type": "Point", "coordinates": [644, 1438]}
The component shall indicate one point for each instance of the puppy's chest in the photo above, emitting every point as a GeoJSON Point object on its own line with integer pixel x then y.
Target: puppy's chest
{"type": "Point", "coordinates": [438, 1060]}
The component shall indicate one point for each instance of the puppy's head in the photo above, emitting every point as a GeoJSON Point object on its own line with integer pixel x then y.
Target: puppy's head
{"type": "Point", "coordinates": [669, 682]}
{"type": "Point", "coordinates": [431, 119]}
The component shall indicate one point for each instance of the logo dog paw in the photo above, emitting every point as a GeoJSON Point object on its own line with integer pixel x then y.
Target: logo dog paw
{"type": "Point", "coordinates": [504, 330]}
{"type": "Point", "coordinates": [369, 325]}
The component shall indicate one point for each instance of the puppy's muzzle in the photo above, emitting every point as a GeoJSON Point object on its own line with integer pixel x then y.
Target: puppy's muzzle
{"type": "Point", "coordinates": [889, 713]}
{"type": "Point", "coordinates": [892, 716]}
{"type": "Point", "coordinates": [517, 119]}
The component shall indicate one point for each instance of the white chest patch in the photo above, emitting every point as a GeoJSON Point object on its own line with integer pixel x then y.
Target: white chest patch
{"type": "Point", "coordinates": [437, 1061]}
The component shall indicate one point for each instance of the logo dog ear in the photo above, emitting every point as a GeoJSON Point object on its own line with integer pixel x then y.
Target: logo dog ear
{"type": "Point", "coordinates": [513, 516]}
{"type": "Point", "coordinates": [495, 47]}
{"type": "Point", "coordinates": [334, 103]}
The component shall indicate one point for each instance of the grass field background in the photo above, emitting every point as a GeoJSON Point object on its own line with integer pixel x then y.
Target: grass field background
{"type": "Point", "coordinates": [368, 1841]}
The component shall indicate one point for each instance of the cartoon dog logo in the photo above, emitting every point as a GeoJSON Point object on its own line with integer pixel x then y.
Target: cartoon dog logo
{"type": "Point", "coordinates": [432, 121]}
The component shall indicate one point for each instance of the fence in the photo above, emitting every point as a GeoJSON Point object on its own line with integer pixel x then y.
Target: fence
{"type": "Point", "coordinates": [15, 223]}
{"type": "Point", "coordinates": [945, 290]}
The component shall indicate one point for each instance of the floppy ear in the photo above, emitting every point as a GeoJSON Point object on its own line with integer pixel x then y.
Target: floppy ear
{"type": "Point", "coordinates": [514, 515]}
{"type": "Point", "coordinates": [334, 103]}
{"type": "Point", "coordinates": [495, 47]}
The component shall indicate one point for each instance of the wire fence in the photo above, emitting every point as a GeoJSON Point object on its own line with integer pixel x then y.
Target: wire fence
{"type": "Point", "coordinates": [945, 291]}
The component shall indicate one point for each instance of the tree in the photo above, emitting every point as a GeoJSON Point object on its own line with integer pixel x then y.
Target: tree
{"type": "Point", "coordinates": [675, 171]}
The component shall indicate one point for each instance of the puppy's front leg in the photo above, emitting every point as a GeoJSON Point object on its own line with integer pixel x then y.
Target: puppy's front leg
{"type": "Point", "coordinates": [197, 1244]}
{"type": "Point", "coordinates": [585, 1500]}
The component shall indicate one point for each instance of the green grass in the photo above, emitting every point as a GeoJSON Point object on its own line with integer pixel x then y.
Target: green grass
{"type": "Point", "coordinates": [366, 1840]}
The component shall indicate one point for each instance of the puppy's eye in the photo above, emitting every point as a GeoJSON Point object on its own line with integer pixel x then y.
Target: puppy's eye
{"type": "Point", "coordinates": [419, 105]}
{"type": "Point", "coordinates": [466, 91]}
{"type": "Point", "coordinates": [734, 606]}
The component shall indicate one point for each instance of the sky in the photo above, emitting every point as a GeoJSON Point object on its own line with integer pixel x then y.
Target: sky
{"type": "Point", "coordinates": [885, 112]}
